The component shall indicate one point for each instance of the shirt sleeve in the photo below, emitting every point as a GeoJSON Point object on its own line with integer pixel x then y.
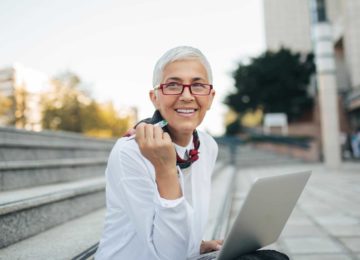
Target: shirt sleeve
{"type": "Point", "coordinates": [163, 225]}
{"type": "Point", "coordinates": [165, 203]}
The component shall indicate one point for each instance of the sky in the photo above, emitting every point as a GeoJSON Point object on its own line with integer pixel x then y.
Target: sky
{"type": "Point", "coordinates": [113, 45]}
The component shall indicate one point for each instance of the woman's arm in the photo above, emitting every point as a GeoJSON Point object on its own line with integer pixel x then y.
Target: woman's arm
{"type": "Point", "coordinates": [157, 146]}
{"type": "Point", "coordinates": [162, 224]}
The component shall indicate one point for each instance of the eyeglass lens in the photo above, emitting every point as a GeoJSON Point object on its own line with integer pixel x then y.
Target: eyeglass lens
{"type": "Point", "coordinates": [177, 88]}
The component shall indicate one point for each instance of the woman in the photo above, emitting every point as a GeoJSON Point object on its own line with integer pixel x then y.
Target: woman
{"type": "Point", "coordinates": [158, 184]}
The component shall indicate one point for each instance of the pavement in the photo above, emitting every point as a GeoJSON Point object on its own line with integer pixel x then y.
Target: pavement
{"type": "Point", "coordinates": [325, 223]}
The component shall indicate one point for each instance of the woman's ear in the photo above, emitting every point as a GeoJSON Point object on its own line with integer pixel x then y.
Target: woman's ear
{"type": "Point", "coordinates": [154, 98]}
{"type": "Point", "coordinates": [212, 95]}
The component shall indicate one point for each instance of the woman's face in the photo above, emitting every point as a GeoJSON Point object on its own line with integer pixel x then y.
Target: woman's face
{"type": "Point", "coordinates": [183, 112]}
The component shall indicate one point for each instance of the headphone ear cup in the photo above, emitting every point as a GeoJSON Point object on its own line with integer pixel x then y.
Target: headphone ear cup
{"type": "Point", "coordinates": [157, 117]}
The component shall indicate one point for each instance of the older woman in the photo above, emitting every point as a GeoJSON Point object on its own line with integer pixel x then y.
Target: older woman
{"type": "Point", "coordinates": [158, 184]}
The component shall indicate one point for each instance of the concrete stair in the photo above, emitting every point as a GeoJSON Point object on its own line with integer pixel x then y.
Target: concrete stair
{"type": "Point", "coordinates": [248, 156]}
{"type": "Point", "coordinates": [30, 211]}
{"type": "Point", "coordinates": [23, 174]}
{"type": "Point", "coordinates": [19, 145]}
{"type": "Point", "coordinates": [47, 180]}
{"type": "Point", "coordinates": [65, 241]}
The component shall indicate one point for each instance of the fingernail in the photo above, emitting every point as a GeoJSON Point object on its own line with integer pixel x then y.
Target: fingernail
{"type": "Point", "coordinates": [218, 247]}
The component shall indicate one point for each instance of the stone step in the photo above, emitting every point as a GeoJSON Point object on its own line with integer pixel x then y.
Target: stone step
{"type": "Point", "coordinates": [250, 158]}
{"type": "Point", "coordinates": [255, 164]}
{"type": "Point", "coordinates": [22, 136]}
{"type": "Point", "coordinates": [251, 152]}
{"type": "Point", "coordinates": [22, 174]}
{"type": "Point", "coordinates": [242, 161]}
{"type": "Point", "coordinates": [61, 242]}
{"type": "Point", "coordinates": [17, 144]}
{"type": "Point", "coordinates": [240, 158]}
{"type": "Point", "coordinates": [12, 149]}
{"type": "Point", "coordinates": [27, 212]}
{"type": "Point", "coordinates": [243, 156]}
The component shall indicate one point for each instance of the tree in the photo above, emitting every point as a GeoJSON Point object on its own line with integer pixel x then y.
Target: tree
{"type": "Point", "coordinates": [14, 107]}
{"type": "Point", "coordinates": [6, 104]}
{"type": "Point", "coordinates": [274, 82]}
{"type": "Point", "coordinates": [62, 104]}
{"type": "Point", "coordinates": [103, 120]}
{"type": "Point", "coordinates": [21, 107]}
{"type": "Point", "coordinates": [233, 128]}
{"type": "Point", "coordinates": [68, 107]}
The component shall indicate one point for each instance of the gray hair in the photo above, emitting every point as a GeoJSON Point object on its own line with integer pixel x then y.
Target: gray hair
{"type": "Point", "coordinates": [177, 54]}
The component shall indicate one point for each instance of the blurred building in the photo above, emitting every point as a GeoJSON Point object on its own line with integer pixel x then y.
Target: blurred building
{"type": "Point", "coordinates": [288, 23]}
{"type": "Point", "coordinates": [20, 94]}
{"type": "Point", "coordinates": [7, 111]}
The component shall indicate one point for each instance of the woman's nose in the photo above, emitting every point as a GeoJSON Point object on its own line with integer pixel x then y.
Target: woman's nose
{"type": "Point", "coordinates": [186, 94]}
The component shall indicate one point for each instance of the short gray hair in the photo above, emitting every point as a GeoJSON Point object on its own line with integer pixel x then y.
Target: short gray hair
{"type": "Point", "coordinates": [177, 54]}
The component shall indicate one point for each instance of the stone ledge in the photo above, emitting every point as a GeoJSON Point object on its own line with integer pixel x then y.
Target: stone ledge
{"type": "Point", "coordinates": [51, 163]}
{"type": "Point", "coordinates": [51, 134]}
{"type": "Point", "coordinates": [24, 223]}
{"type": "Point", "coordinates": [12, 201]}
{"type": "Point", "coordinates": [15, 179]}
{"type": "Point", "coordinates": [67, 240]}
{"type": "Point", "coordinates": [312, 154]}
{"type": "Point", "coordinates": [60, 144]}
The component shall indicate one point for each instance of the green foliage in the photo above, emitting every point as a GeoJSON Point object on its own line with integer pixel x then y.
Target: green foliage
{"type": "Point", "coordinates": [13, 108]}
{"type": "Point", "coordinates": [6, 106]}
{"type": "Point", "coordinates": [67, 107]}
{"type": "Point", "coordinates": [275, 82]}
{"type": "Point", "coordinates": [62, 106]}
{"type": "Point", "coordinates": [233, 128]}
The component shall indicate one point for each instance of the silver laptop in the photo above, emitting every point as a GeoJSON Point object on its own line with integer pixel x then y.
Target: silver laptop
{"type": "Point", "coordinates": [263, 215]}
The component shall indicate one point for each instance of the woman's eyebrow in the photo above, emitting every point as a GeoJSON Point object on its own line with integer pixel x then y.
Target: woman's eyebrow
{"type": "Point", "coordinates": [181, 80]}
{"type": "Point", "coordinates": [197, 79]}
{"type": "Point", "coordinates": [173, 79]}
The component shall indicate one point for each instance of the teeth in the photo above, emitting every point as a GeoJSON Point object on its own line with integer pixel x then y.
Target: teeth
{"type": "Point", "coordinates": [185, 110]}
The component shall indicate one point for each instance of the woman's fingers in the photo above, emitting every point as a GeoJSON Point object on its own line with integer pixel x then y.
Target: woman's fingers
{"type": "Point", "coordinates": [211, 245]}
{"type": "Point", "coordinates": [215, 244]}
{"type": "Point", "coordinates": [140, 132]}
{"type": "Point", "coordinates": [155, 145]}
{"type": "Point", "coordinates": [149, 132]}
{"type": "Point", "coordinates": [158, 133]}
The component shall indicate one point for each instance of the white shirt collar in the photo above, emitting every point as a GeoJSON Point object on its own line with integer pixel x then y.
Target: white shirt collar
{"type": "Point", "coordinates": [182, 151]}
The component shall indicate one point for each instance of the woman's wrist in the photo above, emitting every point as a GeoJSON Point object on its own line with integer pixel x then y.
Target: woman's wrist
{"type": "Point", "coordinates": [168, 183]}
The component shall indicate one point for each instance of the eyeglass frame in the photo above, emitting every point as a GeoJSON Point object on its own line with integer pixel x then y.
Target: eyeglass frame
{"type": "Point", "coordinates": [161, 86]}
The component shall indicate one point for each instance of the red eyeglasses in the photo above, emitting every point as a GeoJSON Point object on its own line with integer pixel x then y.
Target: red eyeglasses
{"type": "Point", "coordinates": [176, 88]}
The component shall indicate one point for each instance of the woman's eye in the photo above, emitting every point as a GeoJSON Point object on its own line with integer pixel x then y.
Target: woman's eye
{"type": "Point", "coordinates": [172, 84]}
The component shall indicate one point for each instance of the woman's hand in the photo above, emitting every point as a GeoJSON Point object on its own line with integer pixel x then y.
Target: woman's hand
{"type": "Point", "coordinates": [211, 245]}
{"type": "Point", "coordinates": [156, 146]}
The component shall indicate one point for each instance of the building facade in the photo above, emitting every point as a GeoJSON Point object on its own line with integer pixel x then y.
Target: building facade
{"type": "Point", "coordinates": [288, 23]}
{"type": "Point", "coordinates": [20, 97]}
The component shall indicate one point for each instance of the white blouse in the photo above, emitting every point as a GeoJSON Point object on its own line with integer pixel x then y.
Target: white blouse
{"type": "Point", "coordinates": [139, 224]}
